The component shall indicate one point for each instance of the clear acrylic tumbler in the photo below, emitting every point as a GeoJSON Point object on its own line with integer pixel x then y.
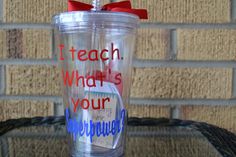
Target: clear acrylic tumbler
{"type": "Point", "coordinates": [95, 51]}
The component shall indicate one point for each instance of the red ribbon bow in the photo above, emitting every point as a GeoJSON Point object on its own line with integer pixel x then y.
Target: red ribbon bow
{"type": "Point", "coordinates": [123, 6]}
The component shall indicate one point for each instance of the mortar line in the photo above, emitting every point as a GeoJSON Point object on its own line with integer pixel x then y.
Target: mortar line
{"type": "Point", "coordinates": [142, 25]}
{"type": "Point", "coordinates": [1, 11]}
{"type": "Point", "coordinates": [234, 83]}
{"type": "Point", "coordinates": [134, 101]}
{"type": "Point", "coordinates": [175, 112]}
{"type": "Point", "coordinates": [233, 10]}
{"type": "Point", "coordinates": [25, 25]}
{"type": "Point", "coordinates": [180, 102]}
{"type": "Point", "coordinates": [58, 108]}
{"type": "Point", "coordinates": [54, 109]}
{"type": "Point", "coordinates": [173, 45]}
{"type": "Point", "coordinates": [136, 63]}
{"type": "Point", "coordinates": [189, 26]}
{"type": "Point", "coordinates": [5, 147]}
{"type": "Point", "coordinates": [2, 80]}
{"type": "Point", "coordinates": [129, 133]}
{"type": "Point", "coordinates": [2, 148]}
{"type": "Point", "coordinates": [28, 62]}
{"type": "Point", "coordinates": [32, 97]}
{"type": "Point", "coordinates": [193, 64]}
{"type": "Point", "coordinates": [63, 134]}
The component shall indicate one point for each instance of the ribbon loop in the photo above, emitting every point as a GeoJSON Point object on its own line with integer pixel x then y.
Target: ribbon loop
{"type": "Point", "coordinates": [123, 6]}
{"type": "Point", "coordinates": [78, 6]}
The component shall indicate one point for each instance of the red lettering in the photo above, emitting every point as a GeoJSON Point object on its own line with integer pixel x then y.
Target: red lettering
{"type": "Point", "coordinates": [93, 106]}
{"type": "Point", "coordinates": [83, 104]}
{"type": "Point", "coordinates": [96, 103]}
{"type": "Point", "coordinates": [61, 46]}
{"type": "Point", "coordinates": [113, 51]}
{"type": "Point", "coordinates": [102, 54]}
{"type": "Point", "coordinates": [103, 102]}
{"type": "Point", "coordinates": [75, 103]}
{"type": "Point", "coordinates": [89, 80]}
{"type": "Point", "coordinates": [93, 53]}
{"type": "Point", "coordinates": [118, 78]}
{"type": "Point", "coordinates": [67, 78]}
{"type": "Point", "coordinates": [82, 53]}
{"type": "Point", "coordinates": [78, 77]}
{"type": "Point", "coordinates": [101, 76]}
{"type": "Point", "coordinates": [72, 50]}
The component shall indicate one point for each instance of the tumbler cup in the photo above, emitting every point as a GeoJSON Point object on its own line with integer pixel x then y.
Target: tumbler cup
{"type": "Point", "coordinates": [95, 50]}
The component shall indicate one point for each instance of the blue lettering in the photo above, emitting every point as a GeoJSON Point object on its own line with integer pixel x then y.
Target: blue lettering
{"type": "Point", "coordinates": [86, 128]}
{"type": "Point", "coordinates": [98, 130]}
{"type": "Point", "coordinates": [81, 129]}
{"type": "Point", "coordinates": [113, 129]}
{"type": "Point", "coordinates": [103, 129]}
{"type": "Point", "coordinates": [108, 128]}
{"type": "Point", "coordinates": [91, 129]}
{"type": "Point", "coordinates": [123, 118]}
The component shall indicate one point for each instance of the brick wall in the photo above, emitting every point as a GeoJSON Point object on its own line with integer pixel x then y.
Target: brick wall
{"type": "Point", "coordinates": [187, 48]}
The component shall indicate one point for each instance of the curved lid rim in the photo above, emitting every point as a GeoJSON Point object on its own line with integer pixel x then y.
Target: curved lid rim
{"type": "Point", "coordinates": [84, 16]}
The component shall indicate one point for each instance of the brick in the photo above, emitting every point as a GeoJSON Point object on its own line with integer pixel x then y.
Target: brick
{"type": "Point", "coordinates": [222, 116]}
{"type": "Point", "coordinates": [148, 111]}
{"type": "Point", "coordinates": [147, 82]}
{"type": "Point", "coordinates": [186, 11]}
{"type": "Point", "coordinates": [40, 147]}
{"type": "Point", "coordinates": [36, 130]}
{"type": "Point", "coordinates": [135, 147]}
{"type": "Point", "coordinates": [14, 43]}
{"type": "Point", "coordinates": [37, 43]}
{"type": "Point", "coordinates": [182, 83]}
{"type": "Point", "coordinates": [32, 80]}
{"type": "Point", "coordinates": [3, 51]}
{"type": "Point", "coordinates": [19, 11]}
{"type": "Point", "coordinates": [206, 44]}
{"type": "Point", "coordinates": [12, 109]}
{"type": "Point", "coordinates": [25, 43]}
{"type": "Point", "coordinates": [153, 44]}
{"type": "Point", "coordinates": [169, 146]}
{"type": "Point", "coordinates": [33, 11]}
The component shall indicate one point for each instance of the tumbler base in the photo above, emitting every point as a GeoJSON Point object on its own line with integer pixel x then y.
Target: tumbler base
{"type": "Point", "coordinates": [85, 150]}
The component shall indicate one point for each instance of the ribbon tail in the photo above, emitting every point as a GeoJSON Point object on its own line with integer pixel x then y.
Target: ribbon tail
{"type": "Point", "coordinates": [78, 6]}
{"type": "Point", "coordinates": [141, 13]}
{"type": "Point", "coordinates": [122, 4]}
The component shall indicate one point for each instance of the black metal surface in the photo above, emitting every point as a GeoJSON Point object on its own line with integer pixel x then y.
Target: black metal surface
{"type": "Point", "coordinates": [223, 140]}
